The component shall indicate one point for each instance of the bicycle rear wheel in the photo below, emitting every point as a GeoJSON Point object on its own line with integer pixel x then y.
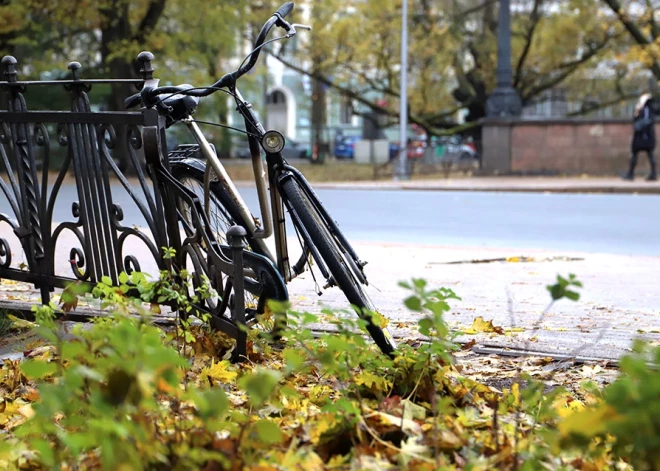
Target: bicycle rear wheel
{"type": "Point", "coordinates": [223, 213]}
{"type": "Point", "coordinates": [335, 258]}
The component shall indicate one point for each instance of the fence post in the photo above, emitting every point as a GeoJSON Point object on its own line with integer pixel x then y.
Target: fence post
{"type": "Point", "coordinates": [235, 236]}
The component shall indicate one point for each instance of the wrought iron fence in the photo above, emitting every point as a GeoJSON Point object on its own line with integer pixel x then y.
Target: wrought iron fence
{"type": "Point", "coordinates": [90, 140]}
{"type": "Point", "coordinates": [97, 246]}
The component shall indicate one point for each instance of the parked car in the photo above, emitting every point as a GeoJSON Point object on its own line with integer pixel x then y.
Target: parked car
{"type": "Point", "coordinates": [416, 148]}
{"type": "Point", "coordinates": [345, 147]}
{"type": "Point", "coordinates": [394, 150]}
{"type": "Point", "coordinates": [292, 150]}
{"type": "Point", "coordinates": [454, 147]}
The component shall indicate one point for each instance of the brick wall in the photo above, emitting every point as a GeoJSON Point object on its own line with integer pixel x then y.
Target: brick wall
{"type": "Point", "coordinates": [566, 146]}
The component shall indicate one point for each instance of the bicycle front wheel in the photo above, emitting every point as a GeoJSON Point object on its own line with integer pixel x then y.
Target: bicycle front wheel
{"type": "Point", "coordinates": [334, 256]}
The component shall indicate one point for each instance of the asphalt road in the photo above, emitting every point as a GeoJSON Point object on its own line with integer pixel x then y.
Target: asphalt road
{"type": "Point", "coordinates": [602, 223]}
{"type": "Point", "coordinates": [405, 234]}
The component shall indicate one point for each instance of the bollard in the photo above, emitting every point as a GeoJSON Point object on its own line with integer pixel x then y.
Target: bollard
{"type": "Point", "coordinates": [235, 236]}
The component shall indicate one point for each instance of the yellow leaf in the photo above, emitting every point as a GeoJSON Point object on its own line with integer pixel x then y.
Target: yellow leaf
{"type": "Point", "coordinates": [566, 405]}
{"type": "Point", "coordinates": [322, 424]}
{"type": "Point", "coordinates": [219, 372]}
{"type": "Point", "coordinates": [483, 326]}
{"type": "Point", "coordinates": [588, 422]}
{"type": "Point", "coordinates": [371, 380]}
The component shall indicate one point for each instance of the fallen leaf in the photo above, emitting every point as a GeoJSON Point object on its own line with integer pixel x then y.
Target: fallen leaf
{"type": "Point", "coordinates": [483, 326]}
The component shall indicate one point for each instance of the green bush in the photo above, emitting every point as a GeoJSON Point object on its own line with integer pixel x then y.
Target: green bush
{"type": "Point", "coordinates": [124, 394]}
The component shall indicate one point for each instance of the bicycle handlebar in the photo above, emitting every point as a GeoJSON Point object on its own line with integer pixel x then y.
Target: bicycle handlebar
{"type": "Point", "coordinates": [284, 10]}
{"type": "Point", "coordinates": [147, 94]}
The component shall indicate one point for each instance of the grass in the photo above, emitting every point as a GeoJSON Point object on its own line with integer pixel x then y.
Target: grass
{"type": "Point", "coordinates": [330, 171]}
{"type": "Point", "coordinates": [338, 171]}
{"type": "Point", "coordinates": [5, 323]}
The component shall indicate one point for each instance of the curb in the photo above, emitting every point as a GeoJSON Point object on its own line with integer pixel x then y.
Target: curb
{"type": "Point", "coordinates": [648, 190]}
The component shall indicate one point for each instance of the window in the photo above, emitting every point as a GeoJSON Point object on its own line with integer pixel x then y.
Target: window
{"type": "Point", "coordinates": [345, 111]}
{"type": "Point", "coordinates": [276, 98]}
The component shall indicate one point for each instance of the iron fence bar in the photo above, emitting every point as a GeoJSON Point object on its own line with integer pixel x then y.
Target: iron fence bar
{"type": "Point", "coordinates": [70, 117]}
{"type": "Point", "coordinates": [18, 83]}
{"type": "Point", "coordinates": [235, 236]}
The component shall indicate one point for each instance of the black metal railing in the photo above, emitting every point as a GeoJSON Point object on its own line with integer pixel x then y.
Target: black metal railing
{"type": "Point", "coordinates": [89, 140]}
{"type": "Point", "coordinates": [93, 233]}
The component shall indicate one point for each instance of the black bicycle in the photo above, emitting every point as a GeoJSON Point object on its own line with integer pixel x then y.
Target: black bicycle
{"type": "Point", "coordinates": [207, 197]}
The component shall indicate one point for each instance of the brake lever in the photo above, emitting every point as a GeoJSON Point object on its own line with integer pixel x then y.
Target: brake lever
{"type": "Point", "coordinates": [292, 29]}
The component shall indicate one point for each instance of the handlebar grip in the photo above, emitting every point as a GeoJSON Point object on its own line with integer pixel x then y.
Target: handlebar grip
{"type": "Point", "coordinates": [284, 9]}
{"type": "Point", "coordinates": [133, 101]}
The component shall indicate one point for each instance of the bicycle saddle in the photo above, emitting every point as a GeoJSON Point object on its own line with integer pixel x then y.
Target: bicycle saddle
{"type": "Point", "coordinates": [181, 105]}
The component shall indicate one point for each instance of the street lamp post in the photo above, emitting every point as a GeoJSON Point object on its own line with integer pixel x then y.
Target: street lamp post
{"type": "Point", "coordinates": [403, 110]}
{"type": "Point", "coordinates": [504, 101]}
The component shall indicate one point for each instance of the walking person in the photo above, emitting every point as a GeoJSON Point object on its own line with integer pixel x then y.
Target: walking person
{"type": "Point", "coordinates": [644, 137]}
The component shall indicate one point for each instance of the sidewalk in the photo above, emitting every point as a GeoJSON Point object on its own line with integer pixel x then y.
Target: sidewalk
{"type": "Point", "coordinates": [619, 301]}
{"type": "Point", "coordinates": [508, 184]}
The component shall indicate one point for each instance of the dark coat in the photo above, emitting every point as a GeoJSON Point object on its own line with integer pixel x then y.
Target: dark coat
{"type": "Point", "coordinates": [644, 139]}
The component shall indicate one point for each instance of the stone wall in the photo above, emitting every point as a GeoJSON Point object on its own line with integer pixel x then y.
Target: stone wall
{"type": "Point", "coordinates": [563, 146]}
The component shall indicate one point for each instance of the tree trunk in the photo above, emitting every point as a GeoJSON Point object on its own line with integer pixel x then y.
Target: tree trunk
{"type": "Point", "coordinates": [115, 29]}
{"type": "Point", "coordinates": [319, 141]}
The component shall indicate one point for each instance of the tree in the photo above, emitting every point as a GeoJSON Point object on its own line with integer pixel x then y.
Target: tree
{"type": "Point", "coordinates": [641, 21]}
{"type": "Point", "coordinates": [190, 39]}
{"type": "Point", "coordinates": [452, 52]}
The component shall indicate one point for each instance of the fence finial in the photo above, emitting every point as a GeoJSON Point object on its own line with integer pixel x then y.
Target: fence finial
{"type": "Point", "coordinates": [75, 69]}
{"type": "Point", "coordinates": [144, 59]}
{"type": "Point", "coordinates": [9, 68]}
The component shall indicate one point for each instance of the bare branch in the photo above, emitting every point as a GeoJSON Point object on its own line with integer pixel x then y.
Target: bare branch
{"type": "Point", "coordinates": [655, 28]}
{"type": "Point", "coordinates": [635, 31]}
{"type": "Point", "coordinates": [535, 17]}
{"type": "Point", "coordinates": [566, 69]}
{"type": "Point", "coordinates": [150, 19]}
{"type": "Point", "coordinates": [358, 97]}
{"type": "Point", "coordinates": [595, 107]}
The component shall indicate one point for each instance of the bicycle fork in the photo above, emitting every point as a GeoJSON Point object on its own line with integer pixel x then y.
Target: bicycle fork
{"type": "Point", "coordinates": [350, 256]}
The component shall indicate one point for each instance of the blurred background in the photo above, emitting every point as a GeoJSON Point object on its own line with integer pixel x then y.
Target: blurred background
{"type": "Point", "coordinates": [331, 90]}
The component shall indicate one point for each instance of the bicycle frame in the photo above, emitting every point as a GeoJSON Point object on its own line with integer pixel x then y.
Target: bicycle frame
{"type": "Point", "coordinates": [271, 204]}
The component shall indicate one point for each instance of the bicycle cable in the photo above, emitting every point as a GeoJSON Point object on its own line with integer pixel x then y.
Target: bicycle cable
{"type": "Point", "coordinates": [317, 287]}
{"type": "Point", "coordinates": [183, 92]}
{"type": "Point", "coordinates": [279, 38]}
{"type": "Point", "coordinates": [209, 123]}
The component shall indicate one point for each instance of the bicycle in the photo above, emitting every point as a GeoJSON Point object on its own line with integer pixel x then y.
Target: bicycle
{"type": "Point", "coordinates": [190, 177]}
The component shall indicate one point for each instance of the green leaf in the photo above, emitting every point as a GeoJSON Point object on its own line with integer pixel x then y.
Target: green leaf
{"type": "Point", "coordinates": [70, 350]}
{"type": "Point", "coordinates": [419, 283]}
{"type": "Point", "coordinates": [293, 359]}
{"type": "Point", "coordinates": [106, 280]}
{"type": "Point", "coordinates": [413, 303]}
{"type": "Point", "coordinates": [78, 441]}
{"type": "Point", "coordinates": [123, 277]}
{"type": "Point", "coordinates": [45, 450]}
{"type": "Point", "coordinates": [210, 403]}
{"type": "Point", "coordinates": [425, 326]}
{"type": "Point", "coordinates": [260, 385]}
{"type": "Point", "coordinates": [37, 369]}
{"type": "Point", "coordinates": [572, 295]}
{"type": "Point", "coordinates": [268, 432]}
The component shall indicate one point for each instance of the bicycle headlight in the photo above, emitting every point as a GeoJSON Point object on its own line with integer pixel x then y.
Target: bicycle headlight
{"type": "Point", "coordinates": [272, 142]}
